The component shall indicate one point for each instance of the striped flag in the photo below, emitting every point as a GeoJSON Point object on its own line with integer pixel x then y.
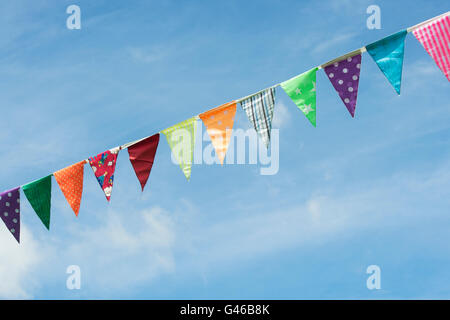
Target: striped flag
{"type": "Point", "coordinates": [435, 38]}
{"type": "Point", "coordinates": [259, 110]}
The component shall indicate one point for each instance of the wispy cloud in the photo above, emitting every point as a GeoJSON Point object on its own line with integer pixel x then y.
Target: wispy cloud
{"type": "Point", "coordinates": [135, 248]}
{"type": "Point", "coordinates": [341, 38]}
{"type": "Point", "coordinates": [141, 246]}
{"type": "Point", "coordinates": [18, 263]}
{"type": "Point", "coordinates": [147, 55]}
{"type": "Point", "coordinates": [73, 94]}
{"type": "Point", "coordinates": [281, 116]}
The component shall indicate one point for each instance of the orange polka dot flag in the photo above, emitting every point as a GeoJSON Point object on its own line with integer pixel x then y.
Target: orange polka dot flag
{"type": "Point", "coordinates": [219, 124]}
{"type": "Point", "coordinates": [70, 180]}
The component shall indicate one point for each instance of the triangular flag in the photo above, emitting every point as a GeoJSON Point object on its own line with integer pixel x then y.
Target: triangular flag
{"type": "Point", "coordinates": [70, 180]}
{"type": "Point", "coordinates": [10, 211]}
{"type": "Point", "coordinates": [219, 124]}
{"type": "Point", "coordinates": [259, 110]}
{"type": "Point", "coordinates": [435, 38]}
{"type": "Point", "coordinates": [302, 90]}
{"type": "Point", "coordinates": [39, 195]}
{"type": "Point", "coordinates": [183, 150]}
{"type": "Point", "coordinates": [388, 55]}
{"type": "Point", "coordinates": [142, 156]}
{"type": "Point", "coordinates": [104, 165]}
{"type": "Point", "coordinates": [344, 76]}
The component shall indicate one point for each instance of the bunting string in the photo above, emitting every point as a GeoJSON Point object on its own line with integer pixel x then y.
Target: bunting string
{"type": "Point", "coordinates": [343, 72]}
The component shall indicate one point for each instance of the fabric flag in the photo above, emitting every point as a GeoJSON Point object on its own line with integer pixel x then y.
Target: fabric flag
{"type": "Point", "coordinates": [39, 195]}
{"type": "Point", "coordinates": [182, 149]}
{"type": "Point", "coordinates": [10, 211]}
{"type": "Point", "coordinates": [142, 156]}
{"type": "Point", "coordinates": [344, 76]}
{"type": "Point", "coordinates": [388, 55]}
{"type": "Point", "coordinates": [219, 124]}
{"type": "Point", "coordinates": [302, 90]}
{"type": "Point", "coordinates": [70, 181]}
{"type": "Point", "coordinates": [435, 38]}
{"type": "Point", "coordinates": [259, 110]}
{"type": "Point", "coordinates": [104, 165]}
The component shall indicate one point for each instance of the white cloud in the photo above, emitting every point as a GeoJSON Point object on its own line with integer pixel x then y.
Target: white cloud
{"type": "Point", "coordinates": [321, 219]}
{"type": "Point", "coordinates": [342, 37]}
{"type": "Point", "coordinates": [147, 55]}
{"type": "Point", "coordinates": [281, 115]}
{"type": "Point", "coordinates": [419, 72]}
{"type": "Point", "coordinates": [17, 263]}
{"type": "Point", "coordinates": [129, 248]}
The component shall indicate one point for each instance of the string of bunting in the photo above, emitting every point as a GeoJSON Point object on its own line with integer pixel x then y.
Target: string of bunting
{"type": "Point", "coordinates": [343, 73]}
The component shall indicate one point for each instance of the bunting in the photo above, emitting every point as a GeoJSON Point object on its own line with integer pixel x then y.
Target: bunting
{"type": "Point", "coordinates": [259, 110]}
{"type": "Point", "coordinates": [343, 73]}
{"type": "Point", "coordinates": [103, 165]}
{"type": "Point", "coordinates": [344, 76]}
{"type": "Point", "coordinates": [70, 181]}
{"type": "Point", "coordinates": [10, 211]}
{"type": "Point", "coordinates": [182, 149]}
{"type": "Point", "coordinates": [388, 54]}
{"type": "Point", "coordinates": [142, 156]}
{"type": "Point", "coordinates": [219, 124]}
{"type": "Point", "coordinates": [302, 90]}
{"type": "Point", "coordinates": [39, 195]}
{"type": "Point", "coordinates": [435, 38]}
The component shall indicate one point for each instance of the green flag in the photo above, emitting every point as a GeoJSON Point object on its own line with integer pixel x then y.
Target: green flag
{"type": "Point", "coordinates": [39, 195]}
{"type": "Point", "coordinates": [302, 90]}
{"type": "Point", "coordinates": [181, 139]}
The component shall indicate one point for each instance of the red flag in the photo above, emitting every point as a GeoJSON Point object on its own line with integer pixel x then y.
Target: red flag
{"type": "Point", "coordinates": [142, 156]}
{"type": "Point", "coordinates": [103, 165]}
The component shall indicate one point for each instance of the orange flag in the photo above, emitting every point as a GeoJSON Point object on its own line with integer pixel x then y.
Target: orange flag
{"type": "Point", "coordinates": [219, 124]}
{"type": "Point", "coordinates": [70, 180]}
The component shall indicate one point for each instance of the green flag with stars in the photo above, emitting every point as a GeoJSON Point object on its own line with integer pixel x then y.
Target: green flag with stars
{"type": "Point", "coordinates": [302, 90]}
{"type": "Point", "coordinates": [39, 194]}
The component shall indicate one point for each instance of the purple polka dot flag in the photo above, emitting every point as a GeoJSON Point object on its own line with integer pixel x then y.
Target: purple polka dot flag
{"type": "Point", "coordinates": [344, 76]}
{"type": "Point", "coordinates": [10, 211]}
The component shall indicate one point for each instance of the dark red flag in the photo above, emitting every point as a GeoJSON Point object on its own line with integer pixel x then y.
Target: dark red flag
{"type": "Point", "coordinates": [142, 156]}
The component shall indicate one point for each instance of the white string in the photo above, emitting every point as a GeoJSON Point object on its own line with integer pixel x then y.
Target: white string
{"type": "Point", "coordinates": [420, 24]}
{"type": "Point", "coordinates": [349, 54]}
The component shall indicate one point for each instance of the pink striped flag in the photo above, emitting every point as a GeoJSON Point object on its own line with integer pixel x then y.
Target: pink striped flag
{"type": "Point", "coordinates": [435, 38]}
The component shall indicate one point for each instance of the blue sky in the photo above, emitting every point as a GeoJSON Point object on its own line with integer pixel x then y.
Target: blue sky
{"type": "Point", "coordinates": [348, 194]}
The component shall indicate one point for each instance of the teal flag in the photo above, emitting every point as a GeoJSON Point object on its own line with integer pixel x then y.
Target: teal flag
{"type": "Point", "coordinates": [39, 194]}
{"type": "Point", "coordinates": [302, 90]}
{"type": "Point", "coordinates": [388, 54]}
